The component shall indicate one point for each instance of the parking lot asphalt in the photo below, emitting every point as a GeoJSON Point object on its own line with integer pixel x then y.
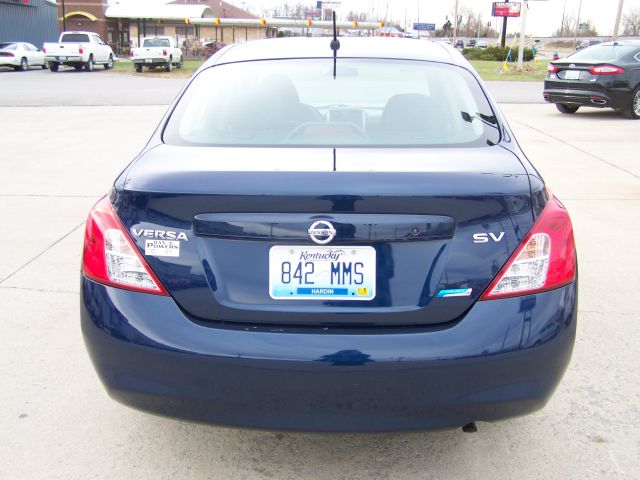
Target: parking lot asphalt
{"type": "Point", "coordinates": [57, 421]}
{"type": "Point", "coordinates": [67, 87]}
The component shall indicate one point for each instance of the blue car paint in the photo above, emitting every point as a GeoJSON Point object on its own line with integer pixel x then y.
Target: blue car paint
{"type": "Point", "coordinates": [504, 358]}
{"type": "Point", "coordinates": [222, 277]}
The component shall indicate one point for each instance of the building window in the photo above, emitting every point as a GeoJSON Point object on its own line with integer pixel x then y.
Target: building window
{"type": "Point", "coordinates": [185, 31]}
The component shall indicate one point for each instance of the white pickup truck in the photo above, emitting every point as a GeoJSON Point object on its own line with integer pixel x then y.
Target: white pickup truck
{"type": "Point", "coordinates": [157, 52]}
{"type": "Point", "coordinates": [78, 50]}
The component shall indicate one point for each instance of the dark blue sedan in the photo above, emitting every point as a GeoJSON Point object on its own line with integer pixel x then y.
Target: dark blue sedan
{"type": "Point", "coordinates": [348, 243]}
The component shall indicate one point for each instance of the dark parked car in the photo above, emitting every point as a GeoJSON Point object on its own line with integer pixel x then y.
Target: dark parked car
{"type": "Point", "coordinates": [603, 76]}
{"type": "Point", "coordinates": [459, 44]}
{"type": "Point", "coordinates": [587, 43]}
{"type": "Point", "coordinates": [350, 243]}
{"type": "Point", "coordinates": [471, 43]}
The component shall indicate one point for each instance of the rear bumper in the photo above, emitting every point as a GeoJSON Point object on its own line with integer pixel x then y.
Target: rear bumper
{"type": "Point", "coordinates": [150, 61]}
{"type": "Point", "coordinates": [603, 94]}
{"type": "Point", "coordinates": [64, 59]}
{"type": "Point", "coordinates": [10, 61]}
{"type": "Point", "coordinates": [504, 359]}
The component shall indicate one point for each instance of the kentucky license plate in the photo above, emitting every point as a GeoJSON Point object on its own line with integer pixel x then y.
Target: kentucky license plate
{"type": "Point", "coordinates": [572, 75]}
{"type": "Point", "coordinates": [148, 60]}
{"type": "Point", "coordinates": [322, 273]}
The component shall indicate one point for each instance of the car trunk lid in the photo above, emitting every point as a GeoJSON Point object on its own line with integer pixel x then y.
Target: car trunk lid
{"type": "Point", "coordinates": [433, 227]}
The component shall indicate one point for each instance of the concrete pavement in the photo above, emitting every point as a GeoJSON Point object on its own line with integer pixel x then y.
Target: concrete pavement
{"type": "Point", "coordinates": [57, 421]}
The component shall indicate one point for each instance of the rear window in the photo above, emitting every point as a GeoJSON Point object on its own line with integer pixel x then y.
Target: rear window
{"type": "Point", "coordinates": [8, 46]}
{"type": "Point", "coordinates": [156, 42]}
{"type": "Point", "coordinates": [602, 53]}
{"type": "Point", "coordinates": [75, 38]}
{"type": "Point", "coordinates": [299, 103]}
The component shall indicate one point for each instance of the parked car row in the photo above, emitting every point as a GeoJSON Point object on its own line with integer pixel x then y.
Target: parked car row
{"type": "Point", "coordinates": [85, 50]}
{"type": "Point", "coordinates": [472, 43]}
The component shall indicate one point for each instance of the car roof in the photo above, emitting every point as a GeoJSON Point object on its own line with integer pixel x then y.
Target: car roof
{"type": "Point", "coordinates": [634, 43]}
{"type": "Point", "coordinates": [318, 47]}
{"type": "Point", "coordinates": [80, 31]}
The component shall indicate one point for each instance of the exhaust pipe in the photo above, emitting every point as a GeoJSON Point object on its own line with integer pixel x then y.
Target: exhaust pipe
{"type": "Point", "coordinates": [598, 100]}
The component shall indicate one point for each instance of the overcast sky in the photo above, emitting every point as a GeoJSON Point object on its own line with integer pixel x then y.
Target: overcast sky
{"type": "Point", "coordinates": [543, 18]}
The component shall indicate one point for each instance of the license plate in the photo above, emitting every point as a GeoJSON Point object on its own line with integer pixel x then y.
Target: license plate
{"type": "Point", "coordinates": [148, 60]}
{"type": "Point", "coordinates": [572, 74]}
{"type": "Point", "coordinates": [62, 58]}
{"type": "Point", "coordinates": [322, 273]}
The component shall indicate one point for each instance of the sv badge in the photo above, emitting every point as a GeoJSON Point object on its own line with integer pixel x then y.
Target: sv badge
{"type": "Point", "coordinates": [485, 237]}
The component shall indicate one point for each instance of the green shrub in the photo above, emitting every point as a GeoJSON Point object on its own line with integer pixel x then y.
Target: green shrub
{"type": "Point", "coordinates": [496, 54]}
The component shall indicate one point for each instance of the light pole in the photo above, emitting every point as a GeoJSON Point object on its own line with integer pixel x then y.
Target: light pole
{"type": "Point", "coordinates": [523, 27]}
{"type": "Point", "coordinates": [618, 16]}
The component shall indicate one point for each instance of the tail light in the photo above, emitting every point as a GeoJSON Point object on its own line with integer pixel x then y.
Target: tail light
{"type": "Point", "coordinates": [44, 50]}
{"type": "Point", "coordinates": [552, 68]}
{"type": "Point", "coordinates": [164, 53]}
{"type": "Point", "coordinates": [606, 70]}
{"type": "Point", "coordinates": [546, 258]}
{"type": "Point", "coordinates": [80, 50]}
{"type": "Point", "coordinates": [110, 256]}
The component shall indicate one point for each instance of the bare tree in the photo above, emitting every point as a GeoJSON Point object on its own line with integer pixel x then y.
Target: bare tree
{"type": "Point", "coordinates": [569, 25]}
{"type": "Point", "coordinates": [631, 22]}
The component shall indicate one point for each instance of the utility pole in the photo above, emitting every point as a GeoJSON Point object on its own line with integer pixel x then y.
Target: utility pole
{"type": "Point", "coordinates": [455, 23]}
{"type": "Point", "coordinates": [618, 16]}
{"type": "Point", "coordinates": [523, 26]}
{"type": "Point", "coordinates": [64, 19]}
{"type": "Point", "coordinates": [575, 37]}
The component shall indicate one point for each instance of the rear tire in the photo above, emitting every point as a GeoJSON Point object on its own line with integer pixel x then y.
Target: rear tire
{"type": "Point", "coordinates": [138, 67]}
{"type": "Point", "coordinates": [633, 110]}
{"type": "Point", "coordinates": [89, 65]}
{"type": "Point", "coordinates": [24, 65]}
{"type": "Point", "coordinates": [564, 108]}
{"type": "Point", "coordinates": [109, 64]}
{"type": "Point", "coordinates": [44, 66]}
{"type": "Point", "coordinates": [53, 66]}
{"type": "Point", "coordinates": [78, 67]}
{"type": "Point", "coordinates": [180, 64]}
{"type": "Point", "coordinates": [167, 67]}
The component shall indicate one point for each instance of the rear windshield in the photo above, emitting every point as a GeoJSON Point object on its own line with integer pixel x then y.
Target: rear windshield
{"type": "Point", "coordinates": [298, 102]}
{"type": "Point", "coordinates": [602, 53]}
{"type": "Point", "coordinates": [8, 46]}
{"type": "Point", "coordinates": [75, 38]}
{"type": "Point", "coordinates": [156, 42]}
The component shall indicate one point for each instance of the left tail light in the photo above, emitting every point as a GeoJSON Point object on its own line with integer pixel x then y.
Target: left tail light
{"type": "Point", "coordinates": [164, 53]}
{"type": "Point", "coordinates": [552, 68]}
{"type": "Point", "coordinates": [44, 50]}
{"type": "Point", "coordinates": [80, 50]}
{"type": "Point", "coordinates": [546, 258]}
{"type": "Point", "coordinates": [110, 256]}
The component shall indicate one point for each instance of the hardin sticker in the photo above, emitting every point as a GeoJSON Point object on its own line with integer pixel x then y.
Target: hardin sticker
{"type": "Point", "coordinates": [162, 248]}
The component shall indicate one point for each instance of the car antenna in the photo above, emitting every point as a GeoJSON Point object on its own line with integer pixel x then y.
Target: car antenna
{"type": "Point", "coordinates": [335, 44]}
